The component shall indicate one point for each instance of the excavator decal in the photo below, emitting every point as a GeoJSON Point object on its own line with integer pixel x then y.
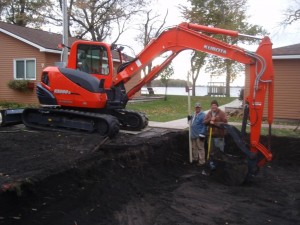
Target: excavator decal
{"type": "Point", "coordinates": [215, 49]}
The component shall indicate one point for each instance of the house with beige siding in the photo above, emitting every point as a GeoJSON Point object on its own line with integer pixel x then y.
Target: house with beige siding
{"type": "Point", "coordinates": [286, 61]}
{"type": "Point", "coordinates": [25, 52]}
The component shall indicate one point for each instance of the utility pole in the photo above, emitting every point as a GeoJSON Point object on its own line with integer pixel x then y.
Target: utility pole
{"type": "Point", "coordinates": [65, 33]}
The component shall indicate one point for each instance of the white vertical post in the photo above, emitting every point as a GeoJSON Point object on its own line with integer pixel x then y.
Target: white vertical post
{"type": "Point", "coordinates": [190, 122]}
{"type": "Point", "coordinates": [65, 32]}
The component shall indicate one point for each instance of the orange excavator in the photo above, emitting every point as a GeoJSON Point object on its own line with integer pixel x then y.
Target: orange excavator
{"type": "Point", "coordinates": [89, 95]}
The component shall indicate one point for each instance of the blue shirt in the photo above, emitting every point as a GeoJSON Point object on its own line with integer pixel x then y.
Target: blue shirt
{"type": "Point", "coordinates": [197, 126]}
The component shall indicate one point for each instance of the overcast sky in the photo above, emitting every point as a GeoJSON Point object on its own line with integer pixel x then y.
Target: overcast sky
{"type": "Point", "coordinates": [269, 14]}
{"type": "Point", "coordinates": [266, 13]}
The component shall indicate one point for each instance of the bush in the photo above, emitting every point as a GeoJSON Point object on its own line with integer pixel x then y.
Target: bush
{"type": "Point", "coordinates": [11, 105]}
{"type": "Point", "coordinates": [21, 85]}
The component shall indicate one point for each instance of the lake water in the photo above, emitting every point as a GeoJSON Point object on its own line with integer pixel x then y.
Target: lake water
{"type": "Point", "coordinates": [200, 91]}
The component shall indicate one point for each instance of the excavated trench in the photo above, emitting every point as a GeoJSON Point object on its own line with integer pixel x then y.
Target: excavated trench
{"type": "Point", "coordinates": [70, 178]}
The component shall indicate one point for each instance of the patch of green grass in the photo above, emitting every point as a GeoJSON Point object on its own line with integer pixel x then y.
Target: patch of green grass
{"type": "Point", "coordinates": [10, 105]}
{"type": "Point", "coordinates": [282, 132]}
{"type": "Point", "coordinates": [174, 107]}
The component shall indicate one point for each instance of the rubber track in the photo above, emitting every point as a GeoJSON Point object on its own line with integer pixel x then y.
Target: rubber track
{"type": "Point", "coordinates": [125, 125]}
{"type": "Point", "coordinates": [111, 121]}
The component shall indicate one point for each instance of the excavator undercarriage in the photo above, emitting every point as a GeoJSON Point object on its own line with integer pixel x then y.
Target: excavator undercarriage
{"type": "Point", "coordinates": [74, 120]}
{"type": "Point", "coordinates": [62, 119]}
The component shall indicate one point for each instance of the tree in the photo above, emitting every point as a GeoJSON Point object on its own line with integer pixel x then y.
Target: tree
{"type": "Point", "coordinates": [23, 12]}
{"type": "Point", "coordinates": [165, 75]}
{"type": "Point", "coordinates": [88, 19]}
{"type": "Point", "coordinates": [226, 14]}
{"type": "Point", "coordinates": [292, 13]}
{"type": "Point", "coordinates": [198, 60]}
{"type": "Point", "coordinates": [151, 28]}
{"type": "Point", "coordinates": [96, 19]}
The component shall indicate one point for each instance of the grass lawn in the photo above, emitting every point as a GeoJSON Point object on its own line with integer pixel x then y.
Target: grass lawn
{"type": "Point", "coordinates": [174, 107]}
{"type": "Point", "coordinates": [281, 132]}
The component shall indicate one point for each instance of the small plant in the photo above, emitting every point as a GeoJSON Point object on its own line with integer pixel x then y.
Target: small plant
{"type": "Point", "coordinates": [10, 105]}
{"type": "Point", "coordinates": [21, 85]}
{"type": "Point", "coordinates": [15, 105]}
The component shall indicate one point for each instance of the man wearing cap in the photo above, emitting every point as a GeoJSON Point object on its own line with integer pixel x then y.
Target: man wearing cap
{"type": "Point", "coordinates": [198, 132]}
{"type": "Point", "coordinates": [212, 119]}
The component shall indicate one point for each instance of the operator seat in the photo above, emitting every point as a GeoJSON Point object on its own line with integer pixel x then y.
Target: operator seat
{"type": "Point", "coordinates": [82, 61]}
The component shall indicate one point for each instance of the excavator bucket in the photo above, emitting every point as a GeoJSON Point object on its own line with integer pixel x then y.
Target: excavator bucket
{"type": "Point", "coordinates": [231, 170]}
{"type": "Point", "coordinates": [237, 163]}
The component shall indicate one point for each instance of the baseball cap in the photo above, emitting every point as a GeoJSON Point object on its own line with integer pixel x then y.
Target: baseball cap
{"type": "Point", "coordinates": [198, 104]}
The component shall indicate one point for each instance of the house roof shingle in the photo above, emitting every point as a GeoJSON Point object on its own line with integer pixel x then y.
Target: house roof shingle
{"type": "Point", "coordinates": [45, 41]}
{"type": "Point", "coordinates": [287, 50]}
{"type": "Point", "coordinates": [42, 39]}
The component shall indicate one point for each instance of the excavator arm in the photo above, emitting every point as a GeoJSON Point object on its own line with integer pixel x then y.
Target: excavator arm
{"type": "Point", "coordinates": [176, 39]}
{"type": "Point", "coordinates": [195, 37]}
{"type": "Point", "coordinates": [261, 82]}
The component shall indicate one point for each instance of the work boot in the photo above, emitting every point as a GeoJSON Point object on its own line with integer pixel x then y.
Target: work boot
{"type": "Point", "coordinates": [205, 173]}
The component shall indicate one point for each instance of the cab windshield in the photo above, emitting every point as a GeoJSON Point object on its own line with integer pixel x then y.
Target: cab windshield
{"type": "Point", "coordinates": [92, 59]}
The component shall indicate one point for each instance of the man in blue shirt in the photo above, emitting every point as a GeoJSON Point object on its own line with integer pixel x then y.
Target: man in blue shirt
{"type": "Point", "coordinates": [198, 133]}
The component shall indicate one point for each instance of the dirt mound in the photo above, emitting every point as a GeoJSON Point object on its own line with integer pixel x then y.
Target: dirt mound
{"type": "Point", "coordinates": [68, 178]}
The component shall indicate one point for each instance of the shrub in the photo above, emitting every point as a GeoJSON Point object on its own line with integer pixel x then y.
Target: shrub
{"type": "Point", "coordinates": [21, 85]}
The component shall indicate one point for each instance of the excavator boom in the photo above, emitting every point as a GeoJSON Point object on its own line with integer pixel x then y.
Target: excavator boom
{"type": "Point", "coordinates": [174, 40]}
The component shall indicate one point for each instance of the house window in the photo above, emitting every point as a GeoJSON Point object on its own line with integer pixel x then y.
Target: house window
{"type": "Point", "coordinates": [25, 69]}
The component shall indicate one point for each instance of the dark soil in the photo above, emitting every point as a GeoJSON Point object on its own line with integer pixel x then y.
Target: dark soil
{"type": "Point", "coordinates": [81, 179]}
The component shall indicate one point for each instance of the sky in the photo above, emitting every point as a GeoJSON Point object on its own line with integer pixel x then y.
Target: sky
{"type": "Point", "coordinates": [266, 13]}
{"type": "Point", "coordinates": [269, 14]}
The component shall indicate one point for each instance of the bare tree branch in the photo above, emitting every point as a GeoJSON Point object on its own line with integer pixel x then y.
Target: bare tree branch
{"type": "Point", "coordinates": [291, 16]}
{"type": "Point", "coordinates": [149, 30]}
